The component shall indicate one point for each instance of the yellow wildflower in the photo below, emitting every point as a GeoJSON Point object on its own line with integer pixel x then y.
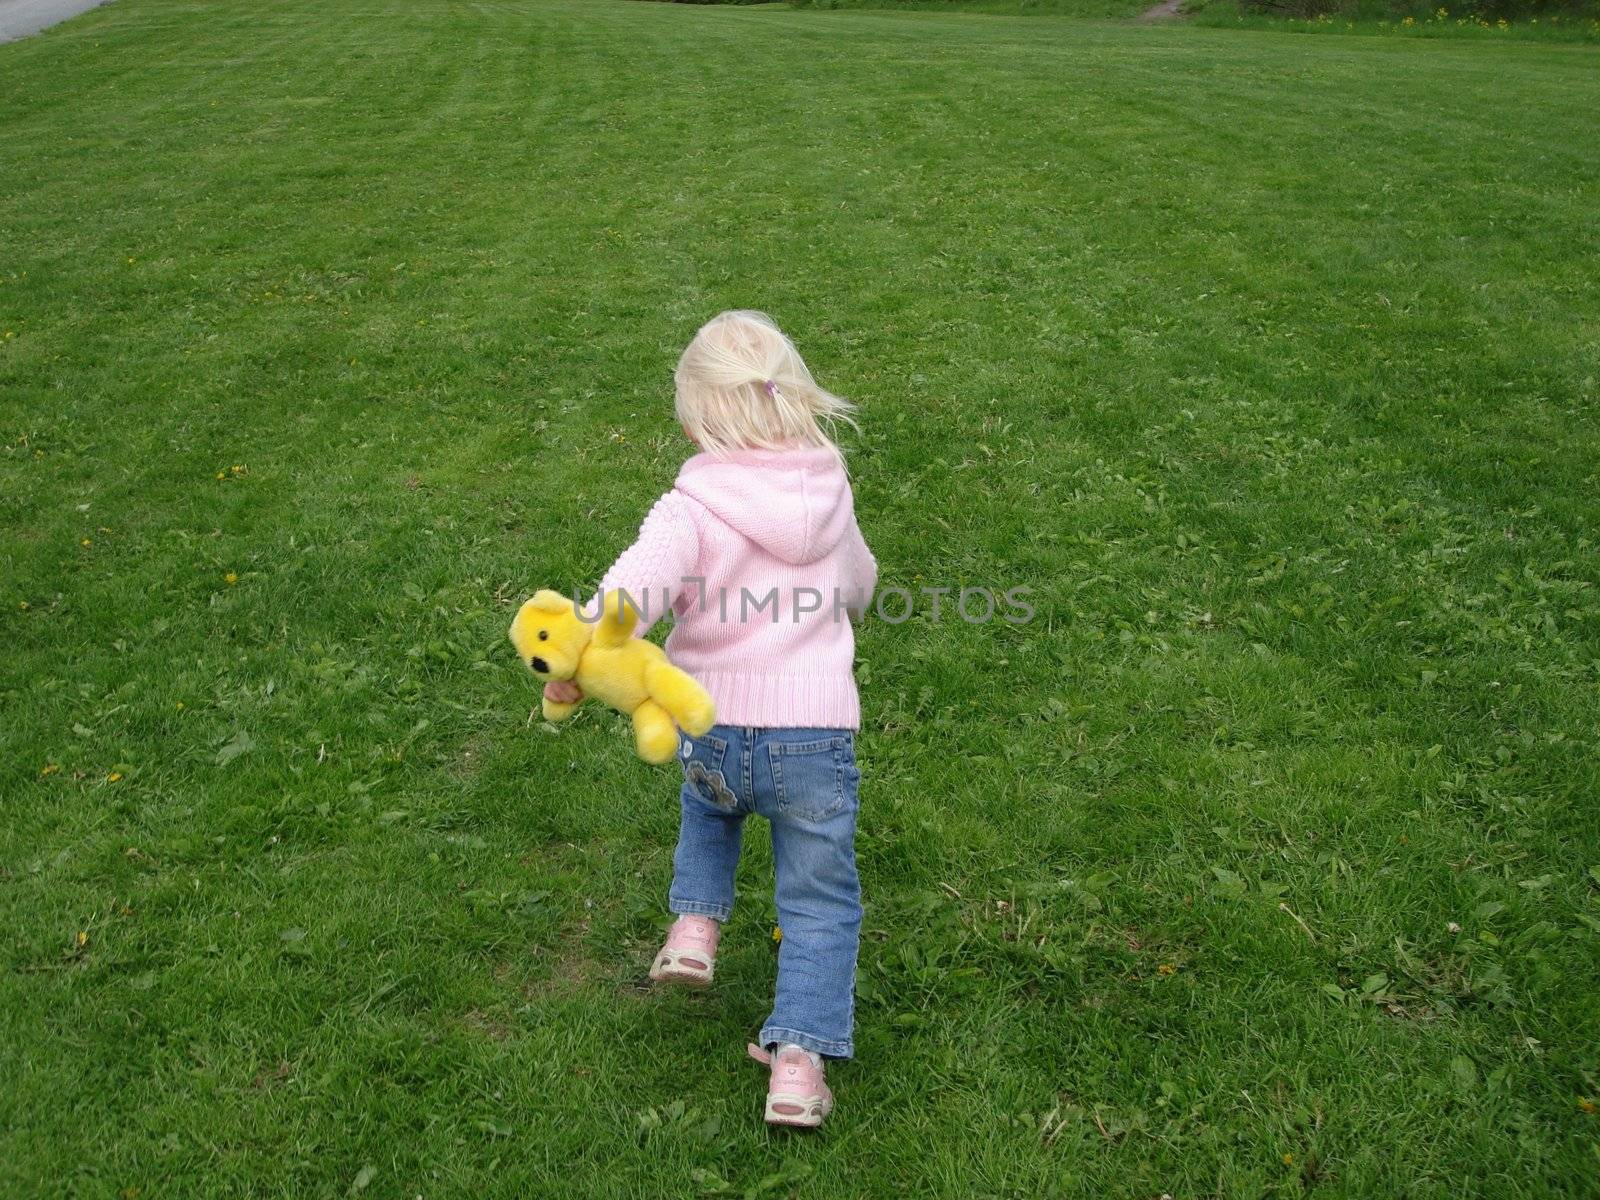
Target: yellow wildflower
{"type": "Point", "coordinates": [114, 777]}
{"type": "Point", "coordinates": [23, 605]}
{"type": "Point", "coordinates": [49, 770]}
{"type": "Point", "coordinates": [230, 579]}
{"type": "Point", "coordinates": [1288, 1160]}
{"type": "Point", "coordinates": [1167, 969]}
{"type": "Point", "coordinates": [86, 542]}
{"type": "Point", "coordinates": [82, 939]}
{"type": "Point", "coordinates": [222, 474]}
{"type": "Point", "coordinates": [777, 933]}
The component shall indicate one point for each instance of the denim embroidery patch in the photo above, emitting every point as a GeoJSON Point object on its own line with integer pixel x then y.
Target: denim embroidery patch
{"type": "Point", "coordinates": [721, 794]}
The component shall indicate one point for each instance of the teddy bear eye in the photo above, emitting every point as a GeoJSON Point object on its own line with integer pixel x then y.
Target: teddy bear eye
{"type": "Point", "coordinates": [544, 635]}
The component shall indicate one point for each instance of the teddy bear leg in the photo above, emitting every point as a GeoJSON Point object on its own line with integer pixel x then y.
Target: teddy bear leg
{"type": "Point", "coordinates": [682, 696]}
{"type": "Point", "coordinates": [654, 735]}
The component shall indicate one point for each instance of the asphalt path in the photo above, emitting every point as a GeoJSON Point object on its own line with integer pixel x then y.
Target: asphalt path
{"type": "Point", "coordinates": [19, 18]}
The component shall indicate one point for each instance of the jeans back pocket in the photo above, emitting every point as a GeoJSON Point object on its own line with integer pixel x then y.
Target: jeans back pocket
{"type": "Point", "coordinates": [702, 769]}
{"type": "Point", "coordinates": [809, 778]}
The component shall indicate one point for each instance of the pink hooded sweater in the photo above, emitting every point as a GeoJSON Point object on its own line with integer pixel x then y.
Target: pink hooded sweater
{"type": "Point", "coordinates": [759, 557]}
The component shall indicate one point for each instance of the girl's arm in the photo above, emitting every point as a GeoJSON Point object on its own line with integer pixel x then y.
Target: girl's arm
{"type": "Point", "coordinates": [863, 572]}
{"type": "Point", "coordinates": [651, 571]}
{"type": "Point", "coordinates": [660, 565]}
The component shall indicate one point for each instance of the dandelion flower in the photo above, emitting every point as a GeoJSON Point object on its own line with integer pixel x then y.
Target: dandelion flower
{"type": "Point", "coordinates": [82, 939]}
{"type": "Point", "coordinates": [23, 605]}
{"type": "Point", "coordinates": [222, 474]}
{"type": "Point", "coordinates": [1288, 1159]}
{"type": "Point", "coordinates": [1167, 969]}
{"type": "Point", "coordinates": [777, 933]}
{"type": "Point", "coordinates": [114, 777]}
{"type": "Point", "coordinates": [86, 542]}
{"type": "Point", "coordinates": [230, 579]}
{"type": "Point", "coordinates": [180, 705]}
{"type": "Point", "coordinates": [49, 770]}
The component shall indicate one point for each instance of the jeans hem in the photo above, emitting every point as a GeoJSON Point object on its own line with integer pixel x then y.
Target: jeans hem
{"type": "Point", "coordinates": [717, 912]}
{"type": "Point", "coordinates": [772, 1034]}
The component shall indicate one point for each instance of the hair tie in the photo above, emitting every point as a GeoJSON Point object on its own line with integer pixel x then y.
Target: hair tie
{"type": "Point", "coordinates": [772, 389]}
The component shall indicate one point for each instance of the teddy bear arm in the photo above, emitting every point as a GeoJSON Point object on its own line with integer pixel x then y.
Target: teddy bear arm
{"type": "Point", "coordinates": [556, 710]}
{"type": "Point", "coordinates": [617, 621]}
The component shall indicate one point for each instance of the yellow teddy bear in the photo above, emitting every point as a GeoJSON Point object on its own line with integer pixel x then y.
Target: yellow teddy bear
{"type": "Point", "coordinates": [630, 674]}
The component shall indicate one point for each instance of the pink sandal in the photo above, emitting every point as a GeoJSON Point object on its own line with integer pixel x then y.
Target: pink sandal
{"type": "Point", "coordinates": [797, 1092]}
{"type": "Point", "coordinates": [690, 954]}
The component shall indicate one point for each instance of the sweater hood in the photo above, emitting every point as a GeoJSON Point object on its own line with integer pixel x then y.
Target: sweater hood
{"type": "Point", "coordinates": [794, 504]}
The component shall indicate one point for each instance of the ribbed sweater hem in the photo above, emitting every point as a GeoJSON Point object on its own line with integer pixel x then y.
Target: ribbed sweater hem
{"type": "Point", "coordinates": [782, 701]}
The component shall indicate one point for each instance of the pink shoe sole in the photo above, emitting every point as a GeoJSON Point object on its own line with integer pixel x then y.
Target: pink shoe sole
{"type": "Point", "coordinates": [685, 969]}
{"type": "Point", "coordinates": [798, 1112]}
{"type": "Point", "coordinates": [689, 957]}
{"type": "Point", "coordinates": [797, 1096]}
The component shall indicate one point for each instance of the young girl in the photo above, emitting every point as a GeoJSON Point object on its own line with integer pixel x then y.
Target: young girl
{"type": "Point", "coordinates": [757, 552]}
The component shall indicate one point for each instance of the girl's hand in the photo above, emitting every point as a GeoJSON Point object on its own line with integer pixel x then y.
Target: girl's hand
{"type": "Point", "coordinates": [563, 691]}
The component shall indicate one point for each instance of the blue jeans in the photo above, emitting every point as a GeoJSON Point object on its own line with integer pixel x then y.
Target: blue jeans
{"type": "Point", "coordinates": [805, 782]}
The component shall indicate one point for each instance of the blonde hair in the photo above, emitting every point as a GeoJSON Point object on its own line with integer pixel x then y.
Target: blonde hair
{"type": "Point", "coordinates": [741, 384]}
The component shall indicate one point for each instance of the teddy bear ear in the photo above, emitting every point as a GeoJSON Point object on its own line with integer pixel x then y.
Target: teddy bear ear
{"type": "Point", "coordinates": [545, 600]}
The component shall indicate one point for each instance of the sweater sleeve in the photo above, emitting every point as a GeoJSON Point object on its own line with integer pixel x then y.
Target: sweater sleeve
{"type": "Point", "coordinates": [863, 571]}
{"type": "Point", "coordinates": [660, 565]}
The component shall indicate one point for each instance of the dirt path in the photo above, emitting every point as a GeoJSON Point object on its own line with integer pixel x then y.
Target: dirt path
{"type": "Point", "coordinates": [19, 18]}
{"type": "Point", "coordinates": [1167, 10]}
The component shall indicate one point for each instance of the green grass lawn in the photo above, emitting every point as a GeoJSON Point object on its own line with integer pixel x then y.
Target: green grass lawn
{"type": "Point", "coordinates": [1070, 8]}
{"type": "Point", "coordinates": [1266, 860]}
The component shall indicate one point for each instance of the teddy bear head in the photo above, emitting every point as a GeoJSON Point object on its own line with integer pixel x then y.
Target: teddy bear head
{"type": "Point", "coordinates": [550, 636]}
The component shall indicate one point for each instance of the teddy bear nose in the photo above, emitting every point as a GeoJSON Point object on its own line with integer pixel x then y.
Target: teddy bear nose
{"type": "Point", "coordinates": [539, 665]}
